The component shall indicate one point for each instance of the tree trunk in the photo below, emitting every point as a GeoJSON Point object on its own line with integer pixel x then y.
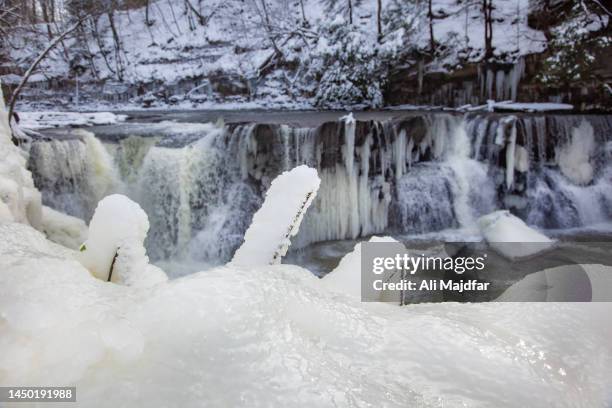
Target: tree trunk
{"type": "Point", "coordinates": [350, 10]}
{"type": "Point", "coordinates": [378, 19]}
{"type": "Point", "coordinates": [432, 40]}
{"type": "Point", "coordinates": [487, 7]}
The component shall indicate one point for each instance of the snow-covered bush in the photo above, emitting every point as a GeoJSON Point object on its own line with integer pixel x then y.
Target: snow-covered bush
{"type": "Point", "coordinates": [350, 67]}
{"type": "Point", "coordinates": [575, 47]}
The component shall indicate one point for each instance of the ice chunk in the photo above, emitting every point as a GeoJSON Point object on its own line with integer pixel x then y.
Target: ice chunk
{"type": "Point", "coordinates": [114, 250]}
{"type": "Point", "coordinates": [268, 238]}
{"type": "Point", "coordinates": [63, 229]}
{"type": "Point", "coordinates": [510, 236]}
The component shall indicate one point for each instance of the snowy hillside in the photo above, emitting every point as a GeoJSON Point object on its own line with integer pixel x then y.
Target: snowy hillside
{"type": "Point", "coordinates": [306, 53]}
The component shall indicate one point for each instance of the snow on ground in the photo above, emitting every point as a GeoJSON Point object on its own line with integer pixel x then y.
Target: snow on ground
{"type": "Point", "coordinates": [46, 119]}
{"type": "Point", "coordinates": [274, 336]}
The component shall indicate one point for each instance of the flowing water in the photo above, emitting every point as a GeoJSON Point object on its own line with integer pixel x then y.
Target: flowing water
{"type": "Point", "coordinates": [405, 174]}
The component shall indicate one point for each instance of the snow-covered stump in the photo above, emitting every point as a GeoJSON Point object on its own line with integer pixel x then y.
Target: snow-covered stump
{"type": "Point", "coordinates": [114, 250]}
{"type": "Point", "coordinates": [269, 236]}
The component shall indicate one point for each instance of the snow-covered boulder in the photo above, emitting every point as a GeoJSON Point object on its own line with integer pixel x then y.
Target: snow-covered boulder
{"type": "Point", "coordinates": [279, 218]}
{"type": "Point", "coordinates": [510, 236]}
{"type": "Point", "coordinates": [63, 229]}
{"type": "Point", "coordinates": [114, 250]}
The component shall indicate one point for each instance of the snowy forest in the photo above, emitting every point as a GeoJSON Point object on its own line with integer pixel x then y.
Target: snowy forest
{"type": "Point", "coordinates": [306, 53]}
{"type": "Point", "coordinates": [206, 203]}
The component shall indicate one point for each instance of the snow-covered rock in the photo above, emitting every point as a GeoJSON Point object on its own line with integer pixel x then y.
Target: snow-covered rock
{"type": "Point", "coordinates": [510, 236]}
{"type": "Point", "coordinates": [63, 229]}
{"type": "Point", "coordinates": [114, 250]}
{"type": "Point", "coordinates": [268, 238]}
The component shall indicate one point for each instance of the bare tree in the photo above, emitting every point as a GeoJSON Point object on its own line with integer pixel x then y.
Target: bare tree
{"type": "Point", "coordinates": [35, 64]}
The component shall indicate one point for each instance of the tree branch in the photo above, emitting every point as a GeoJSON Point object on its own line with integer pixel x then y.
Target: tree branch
{"type": "Point", "coordinates": [38, 60]}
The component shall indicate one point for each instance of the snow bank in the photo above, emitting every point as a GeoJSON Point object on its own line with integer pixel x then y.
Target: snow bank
{"type": "Point", "coordinates": [346, 277]}
{"type": "Point", "coordinates": [575, 158]}
{"type": "Point", "coordinates": [63, 229]}
{"type": "Point", "coordinates": [268, 238]}
{"type": "Point", "coordinates": [114, 250]}
{"type": "Point", "coordinates": [272, 337]}
{"type": "Point", "coordinates": [44, 120]}
{"type": "Point", "coordinates": [510, 236]}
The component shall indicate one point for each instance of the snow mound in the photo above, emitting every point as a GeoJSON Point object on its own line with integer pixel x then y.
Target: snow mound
{"type": "Point", "coordinates": [268, 238]}
{"type": "Point", "coordinates": [45, 120]}
{"type": "Point", "coordinates": [114, 250]}
{"type": "Point", "coordinates": [346, 277]}
{"type": "Point", "coordinates": [510, 236]}
{"type": "Point", "coordinates": [63, 229]}
{"type": "Point", "coordinates": [575, 158]}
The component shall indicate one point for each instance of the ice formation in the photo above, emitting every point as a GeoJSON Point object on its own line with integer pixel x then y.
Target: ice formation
{"type": "Point", "coordinates": [346, 277]}
{"type": "Point", "coordinates": [279, 218]}
{"type": "Point", "coordinates": [114, 250]}
{"type": "Point", "coordinates": [63, 229]}
{"type": "Point", "coordinates": [17, 192]}
{"type": "Point", "coordinates": [575, 158]}
{"type": "Point", "coordinates": [510, 236]}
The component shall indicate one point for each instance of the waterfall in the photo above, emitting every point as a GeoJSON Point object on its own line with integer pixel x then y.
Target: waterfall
{"type": "Point", "coordinates": [73, 174]}
{"type": "Point", "coordinates": [201, 183]}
